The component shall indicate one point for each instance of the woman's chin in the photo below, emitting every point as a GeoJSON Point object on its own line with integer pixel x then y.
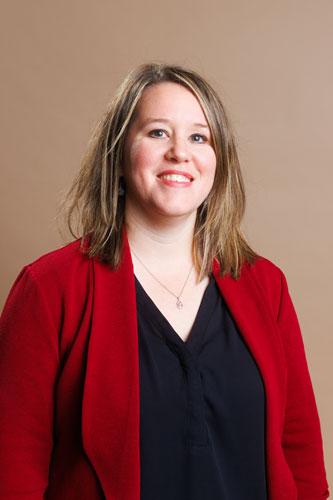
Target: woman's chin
{"type": "Point", "coordinates": [174, 211]}
{"type": "Point", "coordinates": [156, 209]}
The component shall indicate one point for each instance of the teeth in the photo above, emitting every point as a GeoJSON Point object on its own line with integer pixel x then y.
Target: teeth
{"type": "Point", "coordinates": [175, 177]}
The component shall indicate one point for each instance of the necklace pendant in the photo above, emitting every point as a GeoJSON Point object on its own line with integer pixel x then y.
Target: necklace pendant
{"type": "Point", "coordinates": [179, 304]}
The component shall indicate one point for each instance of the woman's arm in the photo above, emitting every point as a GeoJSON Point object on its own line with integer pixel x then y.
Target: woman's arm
{"type": "Point", "coordinates": [301, 440]}
{"type": "Point", "coordinates": [29, 360]}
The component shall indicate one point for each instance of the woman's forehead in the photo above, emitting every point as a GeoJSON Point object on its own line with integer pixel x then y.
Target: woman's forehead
{"type": "Point", "coordinates": [169, 100]}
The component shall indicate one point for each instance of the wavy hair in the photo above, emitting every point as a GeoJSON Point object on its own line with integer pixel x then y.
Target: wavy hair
{"type": "Point", "coordinates": [93, 203]}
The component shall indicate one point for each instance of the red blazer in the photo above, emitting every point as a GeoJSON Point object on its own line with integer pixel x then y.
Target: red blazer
{"type": "Point", "coordinates": [69, 381]}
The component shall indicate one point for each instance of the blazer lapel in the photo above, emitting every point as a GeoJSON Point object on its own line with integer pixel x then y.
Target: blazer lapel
{"type": "Point", "coordinates": [110, 414]}
{"type": "Point", "coordinates": [257, 325]}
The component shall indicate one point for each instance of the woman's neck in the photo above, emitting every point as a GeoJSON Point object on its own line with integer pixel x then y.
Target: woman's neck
{"type": "Point", "coordinates": [169, 241]}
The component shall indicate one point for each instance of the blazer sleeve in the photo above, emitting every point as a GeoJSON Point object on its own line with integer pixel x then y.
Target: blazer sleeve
{"type": "Point", "coordinates": [301, 440]}
{"type": "Point", "coordinates": [29, 360]}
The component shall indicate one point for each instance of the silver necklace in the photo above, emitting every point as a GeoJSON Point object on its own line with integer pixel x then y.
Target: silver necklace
{"type": "Point", "coordinates": [179, 303]}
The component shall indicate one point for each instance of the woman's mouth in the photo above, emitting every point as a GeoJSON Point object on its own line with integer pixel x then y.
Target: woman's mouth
{"type": "Point", "coordinates": [174, 178]}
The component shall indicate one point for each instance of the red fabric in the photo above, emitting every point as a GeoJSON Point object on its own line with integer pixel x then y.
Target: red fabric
{"type": "Point", "coordinates": [69, 381]}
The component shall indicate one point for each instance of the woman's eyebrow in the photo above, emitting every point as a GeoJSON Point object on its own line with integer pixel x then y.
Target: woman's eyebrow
{"type": "Point", "coordinates": [147, 121]}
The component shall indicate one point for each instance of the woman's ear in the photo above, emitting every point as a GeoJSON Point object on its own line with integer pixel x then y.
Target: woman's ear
{"type": "Point", "coordinates": [121, 187]}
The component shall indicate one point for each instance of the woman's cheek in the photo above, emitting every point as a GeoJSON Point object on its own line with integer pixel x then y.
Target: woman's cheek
{"type": "Point", "coordinates": [141, 155]}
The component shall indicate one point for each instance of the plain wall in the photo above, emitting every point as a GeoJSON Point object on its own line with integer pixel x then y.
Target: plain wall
{"type": "Point", "coordinates": [272, 64]}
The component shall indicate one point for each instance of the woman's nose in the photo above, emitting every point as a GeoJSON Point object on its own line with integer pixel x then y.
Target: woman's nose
{"type": "Point", "coordinates": [178, 150]}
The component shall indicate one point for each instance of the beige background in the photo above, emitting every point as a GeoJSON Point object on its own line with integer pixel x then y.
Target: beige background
{"type": "Point", "coordinates": [271, 61]}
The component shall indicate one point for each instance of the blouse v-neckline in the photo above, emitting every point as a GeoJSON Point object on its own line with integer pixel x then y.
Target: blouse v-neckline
{"type": "Point", "coordinates": [165, 330]}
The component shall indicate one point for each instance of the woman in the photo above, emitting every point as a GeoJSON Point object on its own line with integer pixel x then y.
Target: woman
{"type": "Point", "coordinates": [157, 356]}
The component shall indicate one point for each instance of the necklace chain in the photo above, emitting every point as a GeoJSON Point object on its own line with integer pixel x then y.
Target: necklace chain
{"type": "Point", "coordinates": [179, 303]}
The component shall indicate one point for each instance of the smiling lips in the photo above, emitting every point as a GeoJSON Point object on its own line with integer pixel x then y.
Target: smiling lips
{"type": "Point", "coordinates": [175, 178]}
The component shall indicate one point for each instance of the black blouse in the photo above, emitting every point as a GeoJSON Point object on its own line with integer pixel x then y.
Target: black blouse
{"type": "Point", "coordinates": [202, 407]}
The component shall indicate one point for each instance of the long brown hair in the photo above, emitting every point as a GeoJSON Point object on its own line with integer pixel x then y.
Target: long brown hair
{"type": "Point", "coordinates": [93, 201]}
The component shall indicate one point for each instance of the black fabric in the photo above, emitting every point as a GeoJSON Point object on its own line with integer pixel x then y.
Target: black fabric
{"type": "Point", "coordinates": [202, 407]}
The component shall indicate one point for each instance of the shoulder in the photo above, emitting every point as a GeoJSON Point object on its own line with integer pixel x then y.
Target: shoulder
{"type": "Point", "coordinates": [71, 251]}
{"type": "Point", "coordinates": [61, 263]}
{"type": "Point", "coordinates": [58, 277]}
{"type": "Point", "coordinates": [268, 278]}
{"type": "Point", "coordinates": [264, 271]}
{"type": "Point", "coordinates": [58, 281]}
{"type": "Point", "coordinates": [262, 279]}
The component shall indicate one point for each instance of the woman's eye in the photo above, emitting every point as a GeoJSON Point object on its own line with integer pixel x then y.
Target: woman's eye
{"type": "Point", "coordinates": [198, 138]}
{"type": "Point", "coordinates": [157, 133]}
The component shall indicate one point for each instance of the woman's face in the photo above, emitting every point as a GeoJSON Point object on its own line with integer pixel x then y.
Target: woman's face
{"type": "Point", "coordinates": [169, 161]}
